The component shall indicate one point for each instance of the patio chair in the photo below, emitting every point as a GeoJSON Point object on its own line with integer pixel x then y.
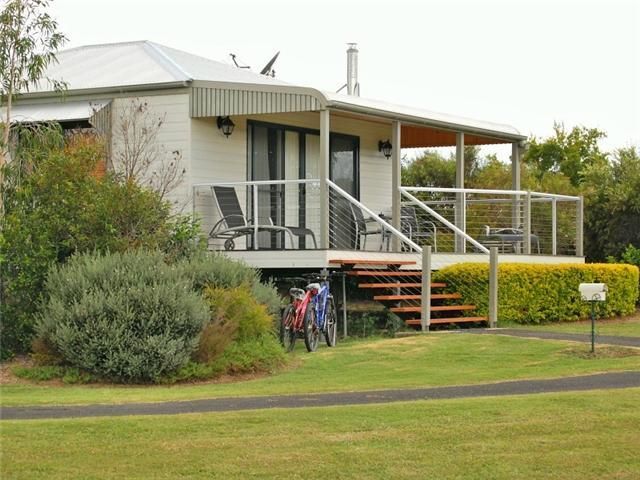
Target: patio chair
{"type": "Point", "coordinates": [416, 230]}
{"type": "Point", "coordinates": [234, 224]}
{"type": "Point", "coordinates": [362, 230]}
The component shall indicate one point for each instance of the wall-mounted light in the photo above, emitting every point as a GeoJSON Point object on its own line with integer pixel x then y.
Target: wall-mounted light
{"type": "Point", "coordinates": [226, 125]}
{"type": "Point", "coordinates": [385, 148]}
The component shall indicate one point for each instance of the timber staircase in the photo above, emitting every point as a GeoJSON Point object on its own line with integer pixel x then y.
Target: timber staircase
{"type": "Point", "coordinates": [397, 285]}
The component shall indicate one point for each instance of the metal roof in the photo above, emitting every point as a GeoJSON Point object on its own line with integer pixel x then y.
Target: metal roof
{"type": "Point", "coordinates": [56, 111]}
{"type": "Point", "coordinates": [415, 115]}
{"type": "Point", "coordinates": [140, 63]}
{"type": "Point", "coordinates": [147, 65]}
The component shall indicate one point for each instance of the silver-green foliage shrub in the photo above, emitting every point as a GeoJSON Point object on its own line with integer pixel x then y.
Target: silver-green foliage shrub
{"type": "Point", "coordinates": [125, 316]}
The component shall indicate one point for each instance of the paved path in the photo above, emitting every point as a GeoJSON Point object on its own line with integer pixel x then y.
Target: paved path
{"type": "Point", "coordinates": [573, 337]}
{"type": "Point", "coordinates": [517, 387]}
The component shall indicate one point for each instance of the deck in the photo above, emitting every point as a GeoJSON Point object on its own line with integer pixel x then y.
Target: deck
{"type": "Point", "coordinates": [317, 259]}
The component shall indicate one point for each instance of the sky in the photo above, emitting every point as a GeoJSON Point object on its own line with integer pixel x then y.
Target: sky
{"type": "Point", "coordinates": [526, 63]}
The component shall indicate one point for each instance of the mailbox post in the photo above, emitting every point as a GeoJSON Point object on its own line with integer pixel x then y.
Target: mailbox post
{"type": "Point", "coordinates": [593, 292]}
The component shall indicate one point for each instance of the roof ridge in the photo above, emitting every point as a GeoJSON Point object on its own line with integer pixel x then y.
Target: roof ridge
{"type": "Point", "coordinates": [110, 44]}
{"type": "Point", "coordinates": [168, 63]}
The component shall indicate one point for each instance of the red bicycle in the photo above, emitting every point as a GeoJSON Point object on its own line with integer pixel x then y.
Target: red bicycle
{"type": "Point", "coordinates": [299, 318]}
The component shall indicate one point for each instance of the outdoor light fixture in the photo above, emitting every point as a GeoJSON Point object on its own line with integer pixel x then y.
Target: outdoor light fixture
{"type": "Point", "coordinates": [226, 125]}
{"type": "Point", "coordinates": [385, 148]}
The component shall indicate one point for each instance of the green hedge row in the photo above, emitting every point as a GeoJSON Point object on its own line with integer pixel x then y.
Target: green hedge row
{"type": "Point", "coordinates": [537, 293]}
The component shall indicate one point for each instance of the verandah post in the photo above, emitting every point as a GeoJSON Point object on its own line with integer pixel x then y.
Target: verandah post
{"type": "Point", "coordinates": [580, 227]}
{"type": "Point", "coordinates": [425, 298]}
{"type": "Point", "coordinates": [461, 208]}
{"type": "Point", "coordinates": [493, 287]}
{"type": "Point", "coordinates": [324, 176]}
{"type": "Point", "coordinates": [396, 181]}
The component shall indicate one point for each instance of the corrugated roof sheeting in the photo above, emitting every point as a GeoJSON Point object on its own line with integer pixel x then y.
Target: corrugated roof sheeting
{"type": "Point", "coordinates": [212, 102]}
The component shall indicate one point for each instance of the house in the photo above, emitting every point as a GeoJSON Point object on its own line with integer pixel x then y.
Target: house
{"type": "Point", "coordinates": [316, 174]}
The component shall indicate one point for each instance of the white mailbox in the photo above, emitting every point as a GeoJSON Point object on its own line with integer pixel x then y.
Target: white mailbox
{"type": "Point", "coordinates": [593, 292]}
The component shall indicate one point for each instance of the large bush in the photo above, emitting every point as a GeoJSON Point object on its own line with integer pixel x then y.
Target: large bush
{"type": "Point", "coordinates": [126, 316]}
{"type": "Point", "coordinates": [57, 203]}
{"type": "Point", "coordinates": [535, 293]}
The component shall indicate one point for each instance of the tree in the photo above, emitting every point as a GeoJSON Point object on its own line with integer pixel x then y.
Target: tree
{"type": "Point", "coordinates": [612, 205]}
{"type": "Point", "coordinates": [567, 152]}
{"type": "Point", "coordinates": [138, 156]}
{"type": "Point", "coordinates": [29, 40]}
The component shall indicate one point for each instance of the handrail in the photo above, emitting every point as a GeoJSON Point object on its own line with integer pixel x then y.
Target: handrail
{"type": "Point", "coordinates": [488, 191]}
{"type": "Point", "coordinates": [256, 182]}
{"type": "Point", "coordinates": [376, 217]}
{"type": "Point", "coordinates": [446, 222]}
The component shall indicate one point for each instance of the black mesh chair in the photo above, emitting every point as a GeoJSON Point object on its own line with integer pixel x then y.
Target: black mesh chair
{"type": "Point", "coordinates": [420, 232]}
{"type": "Point", "coordinates": [362, 231]}
{"type": "Point", "coordinates": [234, 224]}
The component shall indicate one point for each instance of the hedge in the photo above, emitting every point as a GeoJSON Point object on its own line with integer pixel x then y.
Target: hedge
{"type": "Point", "coordinates": [538, 293]}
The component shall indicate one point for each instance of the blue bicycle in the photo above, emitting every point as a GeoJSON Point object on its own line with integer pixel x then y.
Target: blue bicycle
{"type": "Point", "coordinates": [324, 309]}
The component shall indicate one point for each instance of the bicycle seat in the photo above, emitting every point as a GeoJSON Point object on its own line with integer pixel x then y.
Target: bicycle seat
{"type": "Point", "coordinates": [313, 286]}
{"type": "Point", "coordinates": [297, 293]}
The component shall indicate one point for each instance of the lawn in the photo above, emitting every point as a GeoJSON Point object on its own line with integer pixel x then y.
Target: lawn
{"type": "Point", "coordinates": [431, 360]}
{"type": "Point", "coordinates": [587, 435]}
{"type": "Point", "coordinates": [627, 326]}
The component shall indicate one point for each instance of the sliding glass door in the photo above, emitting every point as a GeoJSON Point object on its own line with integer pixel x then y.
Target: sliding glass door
{"type": "Point", "coordinates": [278, 152]}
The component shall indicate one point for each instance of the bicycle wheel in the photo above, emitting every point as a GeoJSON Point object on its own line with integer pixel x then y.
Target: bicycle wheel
{"type": "Point", "coordinates": [331, 324]}
{"type": "Point", "coordinates": [311, 330]}
{"type": "Point", "coordinates": [287, 332]}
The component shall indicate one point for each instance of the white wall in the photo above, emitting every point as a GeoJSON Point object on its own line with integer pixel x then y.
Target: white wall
{"type": "Point", "coordinates": [215, 158]}
{"type": "Point", "coordinates": [174, 134]}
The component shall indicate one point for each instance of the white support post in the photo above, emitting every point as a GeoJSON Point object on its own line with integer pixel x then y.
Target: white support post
{"type": "Point", "coordinates": [554, 226]}
{"type": "Point", "coordinates": [254, 194]}
{"type": "Point", "coordinates": [579, 227]}
{"type": "Point", "coordinates": [515, 184]}
{"type": "Point", "coordinates": [396, 140]}
{"type": "Point", "coordinates": [460, 212]}
{"type": "Point", "coordinates": [325, 125]}
{"type": "Point", "coordinates": [493, 287]}
{"type": "Point", "coordinates": [425, 298]}
{"type": "Point", "coordinates": [526, 231]}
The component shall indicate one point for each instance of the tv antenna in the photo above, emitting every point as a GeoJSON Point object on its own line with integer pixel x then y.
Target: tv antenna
{"type": "Point", "coordinates": [235, 62]}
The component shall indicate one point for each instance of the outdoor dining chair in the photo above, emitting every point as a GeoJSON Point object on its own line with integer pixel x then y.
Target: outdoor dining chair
{"type": "Point", "coordinates": [234, 223]}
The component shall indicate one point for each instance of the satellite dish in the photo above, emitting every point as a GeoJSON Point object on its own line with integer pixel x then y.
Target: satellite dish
{"type": "Point", "coordinates": [268, 68]}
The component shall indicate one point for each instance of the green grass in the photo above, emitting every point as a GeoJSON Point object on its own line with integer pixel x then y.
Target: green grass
{"type": "Point", "coordinates": [627, 327]}
{"type": "Point", "coordinates": [433, 360]}
{"type": "Point", "coordinates": [582, 436]}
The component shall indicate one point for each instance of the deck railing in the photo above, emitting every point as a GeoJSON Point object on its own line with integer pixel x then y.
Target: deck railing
{"type": "Point", "coordinates": [286, 214]}
{"type": "Point", "coordinates": [473, 220]}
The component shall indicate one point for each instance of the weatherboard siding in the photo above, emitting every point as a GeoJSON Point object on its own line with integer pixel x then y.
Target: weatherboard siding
{"type": "Point", "coordinates": [173, 135]}
{"type": "Point", "coordinates": [215, 158]}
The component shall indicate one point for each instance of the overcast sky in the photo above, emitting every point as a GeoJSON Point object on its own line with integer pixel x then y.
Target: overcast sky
{"type": "Point", "coordinates": [526, 63]}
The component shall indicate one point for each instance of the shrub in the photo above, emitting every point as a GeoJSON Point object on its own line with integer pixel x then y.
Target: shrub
{"type": "Point", "coordinates": [218, 271]}
{"type": "Point", "coordinates": [235, 317]}
{"type": "Point", "coordinates": [125, 316]}
{"type": "Point", "coordinates": [529, 293]}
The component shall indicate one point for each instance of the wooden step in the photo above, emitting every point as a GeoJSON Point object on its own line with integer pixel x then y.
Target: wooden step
{"type": "Point", "coordinates": [436, 321]}
{"type": "Point", "coordinates": [385, 273]}
{"type": "Point", "coordinates": [437, 308]}
{"type": "Point", "coordinates": [356, 261]}
{"type": "Point", "coordinates": [434, 296]}
{"type": "Point", "coordinates": [399, 285]}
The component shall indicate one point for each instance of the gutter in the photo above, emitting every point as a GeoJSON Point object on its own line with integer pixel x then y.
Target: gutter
{"type": "Point", "coordinates": [108, 90]}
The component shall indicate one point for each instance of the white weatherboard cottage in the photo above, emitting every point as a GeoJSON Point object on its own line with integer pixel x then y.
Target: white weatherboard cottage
{"type": "Point", "coordinates": [285, 176]}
